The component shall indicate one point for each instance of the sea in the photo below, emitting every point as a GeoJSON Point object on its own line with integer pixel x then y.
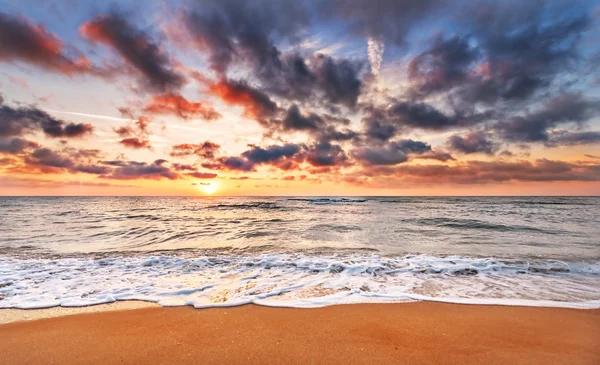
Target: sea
{"type": "Point", "coordinates": [299, 251]}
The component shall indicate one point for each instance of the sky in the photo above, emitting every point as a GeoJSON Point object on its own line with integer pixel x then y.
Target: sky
{"type": "Point", "coordinates": [315, 97]}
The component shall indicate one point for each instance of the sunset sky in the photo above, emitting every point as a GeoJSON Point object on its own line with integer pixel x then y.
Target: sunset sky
{"type": "Point", "coordinates": [316, 97]}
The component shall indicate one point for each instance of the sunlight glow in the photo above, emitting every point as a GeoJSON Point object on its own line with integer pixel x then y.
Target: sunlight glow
{"type": "Point", "coordinates": [208, 188]}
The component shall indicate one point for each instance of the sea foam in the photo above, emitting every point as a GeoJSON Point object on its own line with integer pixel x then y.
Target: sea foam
{"type": "Point", "coordinates": [296, 280]}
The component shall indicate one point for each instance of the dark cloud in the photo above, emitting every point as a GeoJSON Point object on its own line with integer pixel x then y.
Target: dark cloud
{"type": "Point", "coordinates": [565, 138]}
{"type": "Point", "coordinates": [46, 160]}
{"type": "Point", "coordinates": [24, 120]}
{"type": "Point", "coordinates": [21, 40]}
{"type": "Point", "coordinates": [16, 145]}
{"type": "Point", "coordinates": [260, 155]}
{"type": "Point", "coordinates": [130, 170]}
{"type": "Point", "coordinates": [323, 128]}
{"type": "Point", "coordinates": [388, 20]}
{"type": "Point", "coordinates": [331, 133]}
{"type": "Point", "coordinates": [377, 129]}
{"type": "Point", "coordinates": [391, 153]}
{"type": "Point", "coordinates": [443, 66]}
{"type": "Point", "coordinates": [184, 167]}
{"type": "Point", "coordinates": [231, 163]}
{"type": "Point", "coordinates": [422, 115]}
{"type": "Point", "coordinates": [320, 79]}
{"type": "Point", "coordinates": [436, 155]}
{"type": "Point", "coordinates": [296, 121]}
{"type": "Point", "coordinates": [19, 182]}
{"type": "Point", "coordinates": [533, 126]}
{"type": "Point", "coordinates": [484, 172]}
{"type": "Point", "coordinates": [474, 142]}
{"type": "Point", "coordinates": [176, 104]}
{"type": "Point", "coordinates": [202, 175]}
{"type": "Point", "coordinates": [206, 150]}
{"type": "Point", "coordinates": [283, 156]}
{"type": "Point", "coordinates": [137, 49]}
{"type": "Point", "coordinates": [337, 79]}
{"type": "Point", "coordinates": [523, 50]}
{"type": "Point", "coordinates": [325, 154]}
{"type": "Point", "coordinates": [242, 31]}
{"type": "Point", "coordinates": [384, 122]}
{"type": "Point", "coordinates": [59, 129]}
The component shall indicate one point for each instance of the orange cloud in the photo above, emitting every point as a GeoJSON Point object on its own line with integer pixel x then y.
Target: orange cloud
{"type": "Point", "coordinates": [256, 104]}
{"type": "Point", "coordinates": [178, 105]}
{"type": "Point", "coordinates": [27, 42]}
{"type": "Point", "coordinates": [135, 143]}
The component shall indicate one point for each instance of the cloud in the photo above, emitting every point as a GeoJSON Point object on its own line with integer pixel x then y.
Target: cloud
{"type": "Point", "coordinates": [23, 41]}
{"type": "Point", "coordinates": [137, 49]}
{"type": "Point", "coordinates": [183, 167]}
{"type": "Point", "coordinates": [295, 121]}
{"type": "Point", "coordinates": [422, 115]}
{"type": "Point", "coordinates": [485, 172]}
{"type": "Point", "coordinates": [326, 154]}
{"type": "Point", "coordinates": [18, 182]}
{"type": "Point", "coordinates": [282, 156]}
{"type": "Point", "coordinates": [206, 150]}
{"type": "Point", "coordinates": [474, 142]}
{"type": "Point", "coordinates": [522, 52]}
{"type": "Point", "coordinates": [436, 155]}
{"type": "Point", "coordinates": [46, 160]}
{"type": "Point", "coordinates": [176, 104]}
{"type": "Point", "coordinates": [375, 49]}
{"type": "Point", "coordinates": [135, 143]}
{"type": "Point", "coordinates": [388, 20]}
{"type": "Point", "coordinates": [338, 79]}
{"type": "Point", "coordinates": [444, 65]}
{"type": "Point", "coordinates": [377, 128]}
{"type": "Point", "coordinates": [241, 31]}
{"type": "Point", "coordinates": [256, 104]}
{"type": "Point", "coordinates": [323, 127]}
{"type": "Point", "coordinates": [533, 126]}
{"type": "Point", "coordinates": [25, 120]}
{"type": "Point", "coordinates": [565, 138]}
{"type": "Point", "coordinates": [384, 122]}
{"type": "Point", "coordinates": [391, 153]}
{"type": "Point", "coordinates": [131, 170]}
{"type": "Point", "coordinates": [16, 145]}
{"type": "Point", "coordinates": [202, 175]}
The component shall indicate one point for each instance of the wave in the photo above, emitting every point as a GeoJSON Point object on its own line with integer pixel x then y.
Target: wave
{"type": "Point", "coordinates": [477, 224]}
{"type": "Point", "coordinates": [295, 280]}
{"type": "Point", "coordinates": [328, 200]}
{"type": "Point", "coordinates": [250, 205]}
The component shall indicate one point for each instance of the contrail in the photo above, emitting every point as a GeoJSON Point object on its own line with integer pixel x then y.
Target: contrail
{"type": "Point", "coordinates": [92, 116]}
{"type": "Point", "coordinates": [375, 53]}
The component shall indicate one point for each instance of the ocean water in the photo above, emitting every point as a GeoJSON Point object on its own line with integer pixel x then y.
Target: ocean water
{"type": "Point", "coordinates": [299, 252]}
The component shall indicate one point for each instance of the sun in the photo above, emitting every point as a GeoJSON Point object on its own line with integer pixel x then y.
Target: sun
{"type": "Point", "coordinates": [209, 188]}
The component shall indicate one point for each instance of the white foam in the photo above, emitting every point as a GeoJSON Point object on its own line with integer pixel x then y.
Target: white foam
{"type": "Point", "coordinates": [296, 280]}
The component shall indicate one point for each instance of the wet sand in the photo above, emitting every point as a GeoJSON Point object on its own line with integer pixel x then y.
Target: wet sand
{"type": "Point", "coordinates": [413, 333]}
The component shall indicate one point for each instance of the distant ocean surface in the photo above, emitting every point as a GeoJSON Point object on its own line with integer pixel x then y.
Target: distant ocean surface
{"type": "Point", "coordinates": [299, 252]}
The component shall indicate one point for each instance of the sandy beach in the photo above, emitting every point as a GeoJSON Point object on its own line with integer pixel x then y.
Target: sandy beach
{"type": "Point", "coordinates": [413, 333]}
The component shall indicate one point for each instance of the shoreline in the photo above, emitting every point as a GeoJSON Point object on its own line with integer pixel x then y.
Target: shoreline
{"type": "Point", "coordinates": [11, 315]}
{"type": "Point", "coordinates": [415, 333]}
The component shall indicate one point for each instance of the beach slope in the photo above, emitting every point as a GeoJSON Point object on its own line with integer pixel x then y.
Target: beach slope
{"type": "Point", "coordinates": [413, 333]}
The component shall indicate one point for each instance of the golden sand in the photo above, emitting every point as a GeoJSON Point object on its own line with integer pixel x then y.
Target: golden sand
{"type": "Point", "coordinates": [412, 333]}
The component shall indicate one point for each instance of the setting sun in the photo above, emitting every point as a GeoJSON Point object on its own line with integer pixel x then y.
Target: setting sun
{"type": "Point", "coordinates": [208, 188]}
